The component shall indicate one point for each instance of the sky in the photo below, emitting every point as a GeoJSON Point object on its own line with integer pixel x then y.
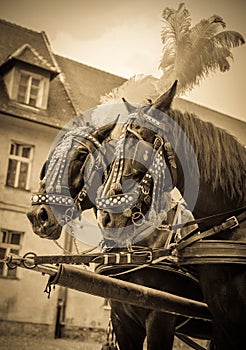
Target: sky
{"type": "Point", "coordinates": [123, 38]}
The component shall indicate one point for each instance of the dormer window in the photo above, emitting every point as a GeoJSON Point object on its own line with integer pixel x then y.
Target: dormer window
{"type": "Point", "coordinates": [30, 89]}
{"type": "Point", "coordinates": [27, 75]}
{"type": "Point", "coordinates": [27, 85]}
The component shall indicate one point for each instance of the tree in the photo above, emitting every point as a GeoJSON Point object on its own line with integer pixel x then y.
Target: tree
{"type": "Point", "coordinates": [190, 53]}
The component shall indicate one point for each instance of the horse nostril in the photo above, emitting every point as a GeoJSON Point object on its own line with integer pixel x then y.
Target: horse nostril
{"type": "Point", "coordinates": [29, 215]}
{"type": "Point", "coordinates": [43, 215]}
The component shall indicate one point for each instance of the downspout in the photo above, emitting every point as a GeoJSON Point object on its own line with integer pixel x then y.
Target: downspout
{"type": "Point", "coordinates": [62, 299]}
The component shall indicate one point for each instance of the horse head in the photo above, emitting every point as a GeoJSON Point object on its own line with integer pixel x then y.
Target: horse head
{"type": "Point", "coordinates": [136, 193]}
{"type": "Point", "coordinates": [70, 172]}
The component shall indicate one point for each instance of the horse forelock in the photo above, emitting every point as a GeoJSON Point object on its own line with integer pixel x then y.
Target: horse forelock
{"type": "Point", "coordinates": [220, 156]}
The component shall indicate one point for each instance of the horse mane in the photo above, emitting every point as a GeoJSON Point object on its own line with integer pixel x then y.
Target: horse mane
{"type": "Point", "coordinates": [220, 156]}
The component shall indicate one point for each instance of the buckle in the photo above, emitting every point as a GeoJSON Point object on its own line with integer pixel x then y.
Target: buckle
{"type": "Point", "coordinates": [149, 257]}
{"type": "Point", "coordinates": [235, 223]}
{"type": "Point", "coordinates": [147, 253]}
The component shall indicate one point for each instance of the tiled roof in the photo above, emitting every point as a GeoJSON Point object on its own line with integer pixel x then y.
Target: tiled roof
{"type": "Point", "coordinates": [26, 53]}
{"type": "Point", "coordinates": [86, 84]}
{"type": "Point", "coordinates": [13, 37]}
{"type": "Point", "coordinates": [73, 91]}
{"type": "Point", "coordinates": [77, 88]}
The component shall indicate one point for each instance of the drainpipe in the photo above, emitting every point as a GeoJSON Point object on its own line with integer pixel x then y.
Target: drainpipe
{"type": "Point", "coordinates": [62, 296]}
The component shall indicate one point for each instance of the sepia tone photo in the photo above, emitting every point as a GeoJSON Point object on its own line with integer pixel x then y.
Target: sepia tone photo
{"type": "Point", "coordinates": [122, 206]}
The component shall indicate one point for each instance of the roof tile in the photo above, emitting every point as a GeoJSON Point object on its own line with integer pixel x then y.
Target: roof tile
{"type": "Point", "coordinates": [76, 89]}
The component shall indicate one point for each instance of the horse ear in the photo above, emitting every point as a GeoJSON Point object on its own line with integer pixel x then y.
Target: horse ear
{"type": "Point", "coordinates": [103, 132]}
{"type": "Point", "coordinates": [130, 108]}
{"type": "Point", "coordinates": [43, 170]}
{"type": "Point", "coordinates": [164, 101]}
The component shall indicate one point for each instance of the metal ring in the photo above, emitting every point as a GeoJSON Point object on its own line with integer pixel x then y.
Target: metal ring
{"type": "Point", "coordinates": [28, 265]}
{"type": "Point", "coordinates": [8, 263]}
{"type": "Point", "coordinates": [68, 216]}
{"type": "Point", "coordinates": [138, 216]}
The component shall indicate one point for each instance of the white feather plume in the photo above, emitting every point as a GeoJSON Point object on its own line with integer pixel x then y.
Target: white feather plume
{"type": "Point", "coordinates": [189, 55]}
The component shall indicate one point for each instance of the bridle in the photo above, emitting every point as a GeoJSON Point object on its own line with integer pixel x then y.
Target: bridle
{"type": "Point", "coordinates": [55, 181]}
{"type": "Point", "coordinates": [157, 157]}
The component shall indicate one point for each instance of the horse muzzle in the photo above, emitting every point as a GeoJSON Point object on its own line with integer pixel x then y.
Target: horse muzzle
{"type": "Point", "coordinates": [44, 222]}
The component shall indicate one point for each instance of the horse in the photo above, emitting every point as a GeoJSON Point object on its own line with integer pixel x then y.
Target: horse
{"type": "Point", "coordinates": [63, 194]}
{"type": "Point", "coordinates": [161, 148]}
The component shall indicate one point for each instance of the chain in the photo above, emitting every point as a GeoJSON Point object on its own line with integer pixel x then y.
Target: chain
{"type": "Point", "coordinates": [68, 218]}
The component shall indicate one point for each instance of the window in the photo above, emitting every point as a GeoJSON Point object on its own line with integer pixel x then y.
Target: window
{"type": "Point", "coordinates": [19, 166]}
{"type": "Point", "coordinates": [10, 242]}
{"type": "Point", "coordinates": [30, 89]}
{"type": "Point", "coordinates": [28, 85]}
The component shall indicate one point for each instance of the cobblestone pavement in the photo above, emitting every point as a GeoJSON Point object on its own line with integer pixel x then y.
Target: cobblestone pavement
{"type": "Point", "coordinates": [37, 343]}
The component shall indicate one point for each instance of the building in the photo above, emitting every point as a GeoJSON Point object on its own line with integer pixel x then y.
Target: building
{"type": "Point", "coordinates": [39, 93]}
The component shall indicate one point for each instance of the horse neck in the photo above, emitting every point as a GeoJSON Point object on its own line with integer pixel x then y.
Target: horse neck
{"type": "Point", "coordinates": [221, 162]}
{"type": "Point", "coordinates": [157, 239]}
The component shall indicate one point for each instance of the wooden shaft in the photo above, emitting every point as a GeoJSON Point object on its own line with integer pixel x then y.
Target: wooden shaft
{"type": "Point", "coordinates": [127, 292]}
{"type": "Point", "coordinates": [108, 287]}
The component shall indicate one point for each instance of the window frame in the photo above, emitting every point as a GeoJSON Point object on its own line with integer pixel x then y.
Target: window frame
{"type": "Point", "coordinates": [8, 246]}
{"type": "Point", "coordinates": [20, 159]}
{"type": "Point", "coordinates": [27, 93]}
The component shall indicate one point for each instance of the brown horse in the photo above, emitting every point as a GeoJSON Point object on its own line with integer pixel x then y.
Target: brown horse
{"type": "Point", "coordinates": [160, 148]}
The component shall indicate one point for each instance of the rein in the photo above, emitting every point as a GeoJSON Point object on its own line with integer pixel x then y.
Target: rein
{"type": "Point", "coordinates": [210, 217]}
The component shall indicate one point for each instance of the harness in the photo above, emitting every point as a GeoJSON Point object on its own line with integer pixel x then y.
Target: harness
{"type": "Point", "coordinates": [155, 158]}
{"type": "Point", "coordinates": [192, 248]}
{"type": "Point", "coordinates": [196, 248]}
{"type": "Point", "coordinates": [56, 179]}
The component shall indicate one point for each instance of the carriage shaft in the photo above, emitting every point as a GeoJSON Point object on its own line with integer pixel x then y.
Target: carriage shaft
{"type": "Point", "coordinates": [128, 292]}
{"type": "Point", "coordinates": [107, 287]}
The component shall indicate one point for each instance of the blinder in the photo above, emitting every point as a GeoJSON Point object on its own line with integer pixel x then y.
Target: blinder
{"type": "Point", "coordinates": [96, 165]}
{"type": "Point", "coordinates": [43, 170]}
{"type": "Point", "coordinates": [143, 156]}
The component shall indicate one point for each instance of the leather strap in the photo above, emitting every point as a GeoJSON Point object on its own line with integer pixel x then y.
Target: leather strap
{"type": "Point", "coordinates": [134, 257]}
{"type": "Point", "coordinates": [214, 251]}
{"type": "Point", "coordinates": [206, 218]}
{"type": "Point", "coordinates": [230, 223]}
